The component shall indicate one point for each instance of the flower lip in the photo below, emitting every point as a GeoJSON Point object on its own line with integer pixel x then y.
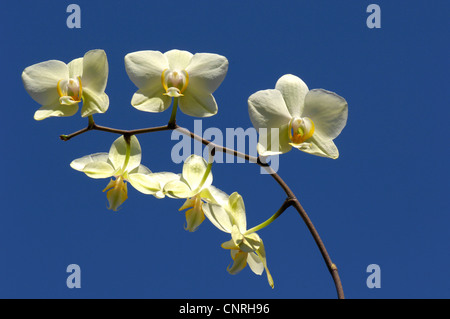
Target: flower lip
{"type": "Point", "coordinates": [174, 82]}
{"type": "Point", "coordinates": [70, 90]}
{"type": "Point", "coordinates": [300, 130]}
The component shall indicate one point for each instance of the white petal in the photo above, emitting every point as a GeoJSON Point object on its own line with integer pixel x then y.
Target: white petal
{"type": "Point", "coordinates": [218, 216]}
{"type": "Point", "coordinates": [141, 169]}
{"type": "Point", "coordinates": [145, 68]}
{"type": "Point", "coordinates": [151, 100]}
{"type": "Point", "coordinates": [197, 104]}
{"type": "Point", "coordinates": [262, 255]}
{"type": "Point", "coordinates": [94, 102]}
{"type": "Point", "coordinates": [294, 91]}
{"type": "Point", "coordinates": [239, 263]}
{"type": "Point", "coordinates": [144, 183]}
{"type": "Point", "coordinates": [321, 146]}
{"type": "Point", "coordinates": [214, 195]}
{"type": "Point", "coordinates": [164, 177]}
{"type": "Point", "coordinates": [267, 109]}
{"type": "Point", "coordinates": [40, 80]}
{"type": "Point", "coordinates": [236, 208]}
{"type": "Point", "coordinates": [274, 141]}
{"type": "Point", "coordinates": [178, 59]}
{"type": "Point", "coordinates": [81, 162]}
{"type": "Point", "coordinates": [117, 153]}
{"type": "Point", "coordinates": [328, 111]}
{"type": "Point", "coordinates": [55, 110]}
{"type": "Point", "coordinates": [75, 68]}
{"type": "Point", "coordinates": [255, 263]}
{"type": "Point", "coordinates": [98, 170]}
{"type": "Point", "coordinates": [95, 71]}
{"type": "Point", "coordinates": [177, 189]}
{"type": "Point", "coordinates": [206, 71]}
{"type": "Point", "coordinates": [194, 169]}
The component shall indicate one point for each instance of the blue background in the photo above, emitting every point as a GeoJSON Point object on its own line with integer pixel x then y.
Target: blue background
{"type": "Point", "coordinates": [384, 201]}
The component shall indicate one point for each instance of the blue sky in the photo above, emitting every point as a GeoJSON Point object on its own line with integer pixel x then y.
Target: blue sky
{"type": "Point", "coordinates": [384, 201]}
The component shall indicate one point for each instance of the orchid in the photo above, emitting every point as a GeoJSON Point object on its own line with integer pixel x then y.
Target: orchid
{"type": "Point", "coordinates": [123, 163]}
{"type": "Point", "coordinates": [245, 245]}
{"type": "Point", "coordinates": [291, 115]}
{"type": "Point", "coordinates": [60, 87]}
{"type": "Point", "coordinates": [191, 79]}
{"type": "Point", "coordinates": [194, 185]}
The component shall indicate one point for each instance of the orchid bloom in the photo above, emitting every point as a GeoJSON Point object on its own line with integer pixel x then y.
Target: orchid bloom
{"type": "Point", "coordinates": [190, 78]}
{"type": "Point", "coordinates": [123, 163]}
{"type": "Point", "coordinates": [194, 185]}
{"type": "Point", "coordinates": [60, 87]}
{"type": "Point", "coordinates": [291, 115]}
{"type": "Point", "coordinates": [246, 247]}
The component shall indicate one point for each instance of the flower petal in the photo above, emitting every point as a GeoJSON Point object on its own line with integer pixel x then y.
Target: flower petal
{"type": "Point", "coordinates": [75, 68]}
{"type": "Point", "coordinates": [94, 102]}
{"type": "Point", "coordinates": [144, 183]}
{"type": "Point", "coordinates": [274, 141]}
{"type": "Point", "coordinates": [194, 169]}
{"type": "Point", "coordinates": [177, 189]}
{"type": "Point", "coordinates": [240, 261]}
{"type": "Point", "coordinates": [267, 109]}
{"type": "Point", "coordinates": [40, 80]}
{"type": "Point", "coordinates": [118, 150]}
{"type": "Point", "coordinates": [255, 263]}
{"type": "Point", "coordinates": [321, 146]}
{"type": "Point", "coordinates": [236, 209]}
{"type": "Point", "coordinates": [151, 99]}
{"type": "Point", "coordinates": [98, 170]}
{"type": "Point", "coordinates": [294, 91]}
{"type": "Point", "coordinates": [79, 163]}
{"type": "Point", "coordinates": [178, 59]}
{"type": "Point", "coordinates": [250, 243]}
{"type": "Point", "coordinates": [328, 111]}
{"type": "Point", "coordinates": [95, 71]}
{"type": "Point", "coordinates": [163, 178]}
{"type": "Point", "coordinates": [141, 169]}
{"type": "Point", "coordinates": [262, 255]}
{"type": "Point", "coordinates": [218, 216]}
{"type": "Point", "coordinates": [55, 110]}
{"type": "Point", "coordinates": [197, 103]}
{"type": "Point", "coordinates": [214, 195]}
{"type": "Point", "coordinates": [145, 68]}
{"type": "Point", "coordinates": [206, 71]}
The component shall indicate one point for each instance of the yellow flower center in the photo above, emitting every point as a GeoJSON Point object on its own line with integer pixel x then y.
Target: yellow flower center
{"type": "Point", "coordinates": [174, 82]}
{"type": "Point", "coordinates": [69, 91]}
{"type": "Point", "coordinates": [300, 130]}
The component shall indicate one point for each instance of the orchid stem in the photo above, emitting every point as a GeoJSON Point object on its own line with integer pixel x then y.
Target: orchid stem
{"type": "Point", "coordinates": [173, 116]}
{"type": "Point", "coordinates": [285, 205]}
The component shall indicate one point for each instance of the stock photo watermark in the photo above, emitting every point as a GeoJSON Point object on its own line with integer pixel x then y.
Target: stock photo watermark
{"type": "Point", "coordinates": [374, 19]}
{"type": "Point", "coordinates": [234, 138]}
{"type": "Point", "coordinates": [374, 279]}
{"type": "Point", "coordinates": [74, 19]}
{"type": "Point", "coordinates": [74, 279]}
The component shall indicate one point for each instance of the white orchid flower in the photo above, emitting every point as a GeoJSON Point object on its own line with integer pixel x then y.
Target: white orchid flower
{"type": "Point", "coordinates": [123, 163]}
{"type": "Point", "coordinates": [194, 185]}
{"type": "Point", "coordinates": [60, 87]}
{"type": "Point", "coordinates": [190, 78]}
{"type": "Point", "coordinates": [291, 115]}
{"type": "Point", "coordinates": [246, 246]}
